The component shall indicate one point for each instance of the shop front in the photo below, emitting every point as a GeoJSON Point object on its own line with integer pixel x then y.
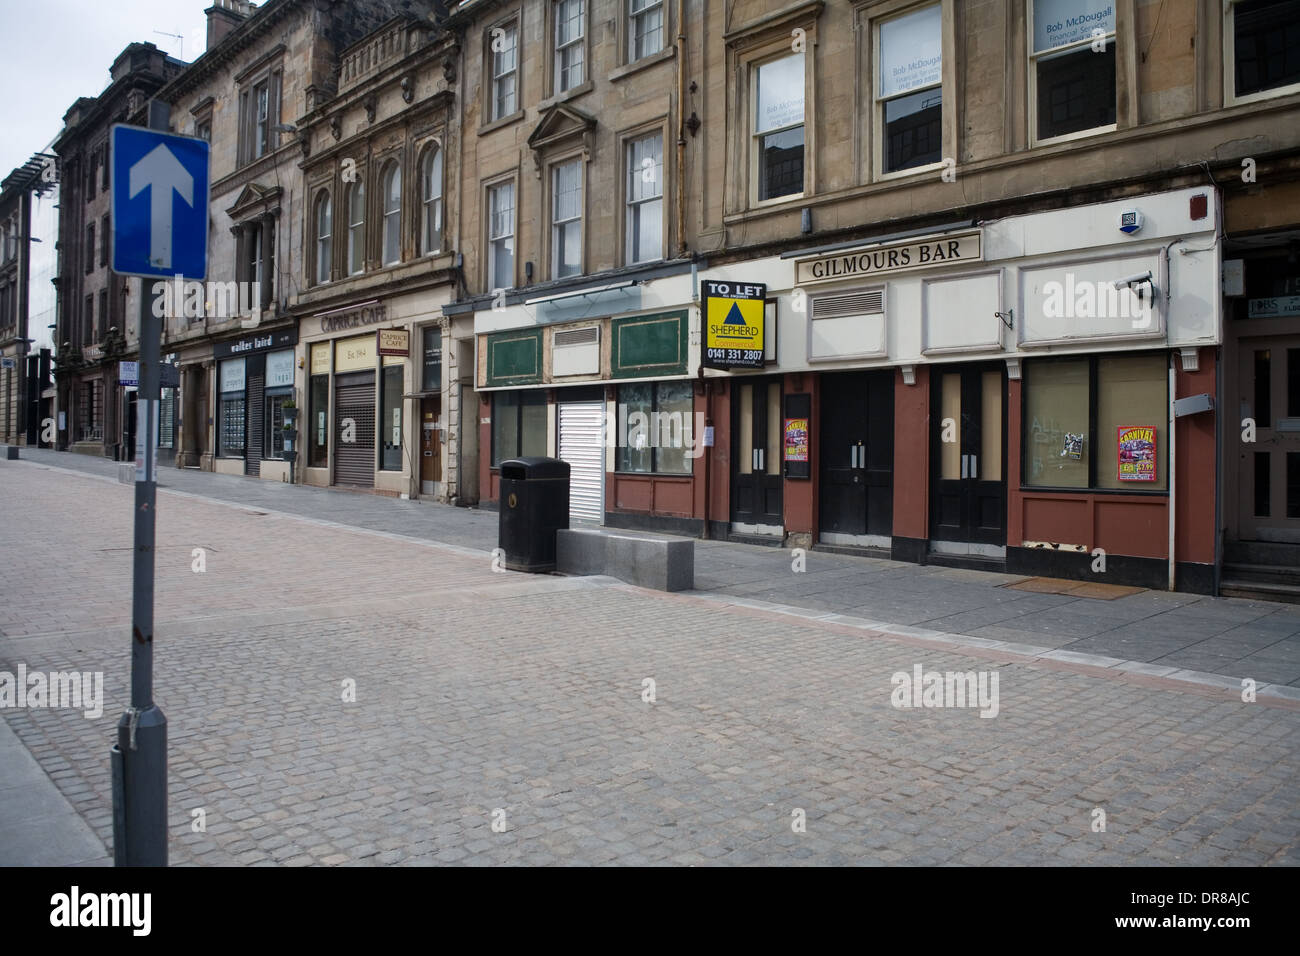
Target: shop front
{"type": "Point", "coordinates": [255, 383]}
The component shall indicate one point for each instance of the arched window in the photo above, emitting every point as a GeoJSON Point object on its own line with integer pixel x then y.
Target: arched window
{"type": "Point", "coordinates": [324, 243]}
{"type": "Point", "coordinates": [392, 214]}
{"type": "Point", "coordinates": [431, 201]}
{"type": "Point", "coordinates": [356, 228]}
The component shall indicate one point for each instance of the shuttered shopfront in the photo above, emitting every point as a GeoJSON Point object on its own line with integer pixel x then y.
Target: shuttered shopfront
{"type": "Point", "coordinates": [582, 446]}
{"type": "Point", "coordinates": [354, 429]}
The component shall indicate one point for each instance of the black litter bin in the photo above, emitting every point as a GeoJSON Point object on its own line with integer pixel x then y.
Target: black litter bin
{"type": "Point", "coordinates": [534, 505]}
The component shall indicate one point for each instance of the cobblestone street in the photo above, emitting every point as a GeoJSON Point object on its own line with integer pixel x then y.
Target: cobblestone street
{"type": "Point", "coordinates": [484, 696]}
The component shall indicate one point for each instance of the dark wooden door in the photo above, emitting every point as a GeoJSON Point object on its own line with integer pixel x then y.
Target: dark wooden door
{"type": "Point", "coordinates": [857, 453]}
{"type": "Point", "coordinates": [968, 462]}
{"type": "Point", "coordinates": [756, 480]}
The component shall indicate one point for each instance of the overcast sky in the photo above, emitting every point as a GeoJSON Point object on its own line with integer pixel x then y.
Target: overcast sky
{"type": "Point", "coordinates": [58, 50]}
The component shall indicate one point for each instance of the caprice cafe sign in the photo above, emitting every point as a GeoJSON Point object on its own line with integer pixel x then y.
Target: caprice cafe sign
{"type": "Point", "coordinates": [893, 257]}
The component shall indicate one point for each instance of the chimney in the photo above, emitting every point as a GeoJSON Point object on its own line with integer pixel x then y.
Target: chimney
{"type": "Point", "coordinates": [224, 16]}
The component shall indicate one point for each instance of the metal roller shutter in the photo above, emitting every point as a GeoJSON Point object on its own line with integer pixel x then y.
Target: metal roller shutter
{"type": "Point", "coordinates": [256, 409]}
{"type": "Point", "coordinates": [354, 401]}
{"type": "Point", "coordinates": [582, 445]}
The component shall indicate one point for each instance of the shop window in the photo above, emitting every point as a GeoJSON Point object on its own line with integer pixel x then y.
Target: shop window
{"type": "Point", "coordinates": [431, 369]}
{"type": "Point", "coordinates": [518, 425]}
{"type": "Point", "coordinates": [645, 34]}
{"type": "Point", "coordinates": [274, 431]}
{"type": "Point", "coordinates": [1096, 423]}
{"type": "Point", "coordinates": [392, 190]}
{"type": "Point", "coordinates": [318, 440]}
{"type": "Point", "coordinates": [1263, 48]}
{"type": "Point", "coordinates": [431, 201]}
{"type": "Point", "coordinates": [324, 237]}
{"type": "Point", "coordinates": [232, 409]}
{"type": "Point", "coordinates": [570, 44]}
{"type": "Point", "coordinates": [501, 236]}
{"type": "Point", "coordinates": [1072, 69]}
{"type": "Point", "coordinates": [655, 427]}
{"type": "Point", "coordinates": [566, 219]}
{"type": "Point", "coordinates": [645, 199]}
{"type": "Point", "coordinates": [503, 44]}
{"type": "Point", "coordinates": [778, 138]}
{"type": "Point", "coordinates": [390, 419]}
{"type": "Point", "coordinates": [909, 90]}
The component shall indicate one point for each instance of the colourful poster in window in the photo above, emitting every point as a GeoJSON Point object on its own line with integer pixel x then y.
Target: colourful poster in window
{"type": "Point", "coordinates": [1136, 452]}
{"type": "Point", "coordinates": [796, 439]}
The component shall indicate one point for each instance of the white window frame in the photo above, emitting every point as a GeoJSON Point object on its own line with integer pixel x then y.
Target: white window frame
{"type": "Point", "coordinates": [559, 227]}
{"type": "Point", "coordinates": [634, 206]}
{"type": "Point", "coordinates": [356, 227]}
{"type": "Point", "coordinates": [495, 281]}
{"type": "Point", "coordinates": [755, 137]}
{"type": "Point", "coordinates": [561, 50]}
{"type": "Point", "coordinates": [1052, 53]}
{"type": "Point", "coordinates": [324, 236]}
{"type": "Point", "coordinates": [1230, 97]}
{"type": "Point", "coordinates": [431, 174]}
{"type": "Point", "coordinates": [495, 110]}
{"type": "Point", "coordinates": [635, 17]}
{"type": "Point", "coordinates": [391, 225]}
{"type": "Point", "coordinates": [879, 102]}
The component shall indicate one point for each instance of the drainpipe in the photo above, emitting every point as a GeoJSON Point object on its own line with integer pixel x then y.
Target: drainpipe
{"type": "Point", "coordinates": [1173, 470]}
{"type": "Point", "coordinates": [681, 128]}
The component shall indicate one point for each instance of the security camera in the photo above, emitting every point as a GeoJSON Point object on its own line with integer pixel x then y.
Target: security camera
{"type": "Point", "coordinates": [1131, 281]}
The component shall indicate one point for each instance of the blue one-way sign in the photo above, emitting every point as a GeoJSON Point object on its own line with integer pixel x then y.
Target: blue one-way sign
{"type": "Point", "coordinates": [159, 203]}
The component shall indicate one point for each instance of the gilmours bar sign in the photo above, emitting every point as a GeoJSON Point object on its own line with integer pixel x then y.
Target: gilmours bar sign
{"type": "Point", "coordinates": [896, 257]}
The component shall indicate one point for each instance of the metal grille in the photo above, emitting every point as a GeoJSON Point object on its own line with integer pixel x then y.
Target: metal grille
{"type": "Point", "coordinates": [354, 418]}
{"type": "Point", "coordinates": [852, 303]}
{"type": "Point", "coordinates": [253, 450]}
{"type": "Point", "coordinates": [582, 446]}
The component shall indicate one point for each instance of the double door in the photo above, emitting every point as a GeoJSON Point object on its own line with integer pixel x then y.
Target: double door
{"type": "Point", "coordinates": [968, 489]}
{"type": "Point", "coordinates": [857, 458]}
{"type": "Point", "coordinates": [1268, 469]}
{"type": "Point", "coordinates": [756, 456]}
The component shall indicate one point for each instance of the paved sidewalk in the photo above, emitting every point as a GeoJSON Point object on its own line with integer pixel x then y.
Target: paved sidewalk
{"type": "Point", "coordinates": [340, 696]}
{"type": "Point", "coordinates": [1229, 637]}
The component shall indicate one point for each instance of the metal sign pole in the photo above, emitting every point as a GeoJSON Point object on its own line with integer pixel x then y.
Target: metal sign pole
{"type": "Point", "coordinates": [140, 757]}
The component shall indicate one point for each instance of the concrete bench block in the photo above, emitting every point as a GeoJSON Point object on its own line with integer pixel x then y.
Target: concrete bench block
{"type": "Point", "coordinates": [664, 564]}
{"type": "Point", "coordinates": [126, 473]}
{"type": "Point", "coordinates": [11, 452]}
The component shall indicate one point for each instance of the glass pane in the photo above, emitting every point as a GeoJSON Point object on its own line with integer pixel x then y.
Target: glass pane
{"type": "Point", "coordinates": [319, 422]}
{"type": "Point", "coordinates": [634, 408]}
{"type": "Point", "coordinates": [745, 430]}
{"type": "Point", "coordinates": [772, 454]}
{"type": "Point", "coordinates": [913, 130]}
{"type": "Point", "coordinates": [505, 426]}
{"type": "Point", "coordinates": [911, 51]}
{"type": "Point", "coordinates": [1266, 44]}
{"type": "Point", "coordinates": [532, 425]}
{"type": "Point", "coordinates": [390, 419]}
{"type": "Point", "coordinates": [1292, 383]}
{"type": "Point", "coordinates": [1056, 406]}
{"type": "Point", "coordinates": [990, 461]}
{"type": "Point", "coordinates": [1293, 484]}
{"type": "Point", "coordinates": [675, 427]}
{"type": "Point", "coordinates": [431, 375]}
{"type": "Point", "coordinates": [780, 164]}
{"type": "Point", "coordinates": [1062, 22]}
{"type": "Point", "coordinates": [1076, 91]}
{"type": "Point", "coordinates": [1263, 388]}
{"type": "Point", "coordinates": [950, 426]}
{"type": "Point", "coordinates": [779, 97]}
{"type": "Point", "coordinates": [1263, 484]}
{"type": "Point", "coordinates": [1132, 418]}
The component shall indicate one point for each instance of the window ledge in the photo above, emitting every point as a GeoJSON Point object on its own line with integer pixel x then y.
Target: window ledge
{"type": "Point", "coordinates": [636, 66]}
{"type": "Point", "coordinates": [496, 124]}
{"type": "Point", "coordinates": [567, 95]}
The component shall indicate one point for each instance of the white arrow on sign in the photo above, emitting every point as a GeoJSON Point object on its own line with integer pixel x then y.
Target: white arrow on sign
{"type": "Point", "coordinates": [161, 172]}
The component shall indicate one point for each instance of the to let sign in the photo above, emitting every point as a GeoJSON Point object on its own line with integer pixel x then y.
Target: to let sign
{"type": "Point", "coordinates": [734, 314]}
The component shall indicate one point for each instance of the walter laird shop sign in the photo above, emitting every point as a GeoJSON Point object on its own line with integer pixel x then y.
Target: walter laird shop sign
{"type": "Point", "coordinates": [893, 257]}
